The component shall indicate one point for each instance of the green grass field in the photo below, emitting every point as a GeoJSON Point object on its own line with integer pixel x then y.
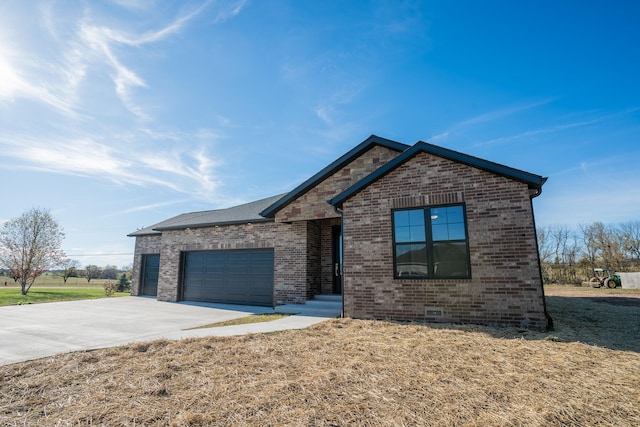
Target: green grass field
{"type": "Point", "coordinates": [53, 280]}
{"type": "Point", "coordinates": [51, 288]}
{"type": "Point", "coordinates": [12, 295]}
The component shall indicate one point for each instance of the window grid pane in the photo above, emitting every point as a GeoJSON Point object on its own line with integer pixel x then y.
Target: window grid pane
{"type": "Point", "coordinates": [411, 260]}
{"type": "Point", "coordinates": [448, 223]}
{"type": "Point", "coordinates": [450, 259]}
{"type": "Point", "coordinates": [441, 254]}
{"type": "Point", "coordinates": [409, 226]}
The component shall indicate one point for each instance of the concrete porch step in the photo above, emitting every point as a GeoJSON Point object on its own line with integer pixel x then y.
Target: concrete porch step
{"type": "Point", "coordinates": [321, 306]}
{"type": "Point", "coordinates": [328, 297]}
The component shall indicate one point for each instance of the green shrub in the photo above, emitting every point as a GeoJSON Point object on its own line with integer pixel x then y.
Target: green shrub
{"type": "Point", "coordinates": [123, 284]}
{"type": "Point", "coordinates": [109, 288]}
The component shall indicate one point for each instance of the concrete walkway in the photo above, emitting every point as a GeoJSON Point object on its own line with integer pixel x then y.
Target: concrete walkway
{"type": "Point", "coordinates": [33, 331]}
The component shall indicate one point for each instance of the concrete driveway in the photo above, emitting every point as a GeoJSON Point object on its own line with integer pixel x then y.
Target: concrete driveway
{"type": "Point", "coordinates": [33, 331]}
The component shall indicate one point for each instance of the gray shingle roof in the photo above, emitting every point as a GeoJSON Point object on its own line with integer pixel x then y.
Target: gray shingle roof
{"type": "Point", "coordinates": [241, 214]}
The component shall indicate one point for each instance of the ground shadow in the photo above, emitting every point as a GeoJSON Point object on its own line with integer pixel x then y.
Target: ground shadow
{"type": "Point", "coordinates": [252, 309]}
{"type": "Point", "coordinates": [608, 322]}
{"type": "Point", "coordinates": [611, 322]}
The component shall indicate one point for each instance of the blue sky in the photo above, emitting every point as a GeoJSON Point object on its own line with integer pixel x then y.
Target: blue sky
{"type": "Point", "coordinates": [119, 114]}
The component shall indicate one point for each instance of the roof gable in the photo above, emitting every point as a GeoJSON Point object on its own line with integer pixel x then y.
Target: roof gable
{"type": "Point", "coordinates": [332, 168]}
{"type": "Point", "coordinates": [534, 182]}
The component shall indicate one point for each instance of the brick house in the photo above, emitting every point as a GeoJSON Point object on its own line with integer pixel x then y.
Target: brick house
{"type": "Point", "coordinates": [417, 233]}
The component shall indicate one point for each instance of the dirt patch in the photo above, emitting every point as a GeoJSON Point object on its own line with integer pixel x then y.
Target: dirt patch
{"type": "Point", "coordinates": [349, 372]}
{"type": "Point", "coordinates": [580, 291]}
{"type": "Point", "coordinates": [623, 297]}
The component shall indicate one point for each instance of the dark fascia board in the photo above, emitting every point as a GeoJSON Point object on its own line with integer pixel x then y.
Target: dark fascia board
{"type": "Point", "coordinates": [535, 182]}
{"type": "Point", "coordinates": [143, 232]}
{"type": "Point", "coordinates": [212, 224]}
{"type": "Point", "coordinates": [330, 170]}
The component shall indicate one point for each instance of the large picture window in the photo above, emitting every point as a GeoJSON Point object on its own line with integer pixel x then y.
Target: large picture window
{"type": "Point", "coordinates": [431, 243]}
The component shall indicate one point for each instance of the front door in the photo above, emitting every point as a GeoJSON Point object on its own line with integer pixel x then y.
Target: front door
{"type": "Point", "coordinates": [337, 259]}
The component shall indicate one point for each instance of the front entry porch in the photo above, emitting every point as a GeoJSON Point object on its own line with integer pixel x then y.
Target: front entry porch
{"type": "Point", "coordinates": [308, 261]}
{"type": "Point", "coordinates": [323, 305]}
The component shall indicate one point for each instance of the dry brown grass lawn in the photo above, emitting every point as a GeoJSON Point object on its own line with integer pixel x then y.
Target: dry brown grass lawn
{"type": "Point", "coordinates": [349, 372]}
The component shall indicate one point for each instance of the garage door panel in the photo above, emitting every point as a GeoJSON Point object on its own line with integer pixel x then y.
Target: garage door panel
{"type": "Point", "coordinates": [260, 270]}
{"type": "Point", "coordinates": [239, 276]}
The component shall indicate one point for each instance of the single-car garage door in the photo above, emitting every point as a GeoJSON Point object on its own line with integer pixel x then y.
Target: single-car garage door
{"type": "Point", "coordinates": [150, 270]}
{"type": "Point", "coordinates": [234, 277]}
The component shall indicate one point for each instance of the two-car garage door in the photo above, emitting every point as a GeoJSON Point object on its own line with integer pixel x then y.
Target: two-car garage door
{"type": "Point", "coordinates": [234, 276]}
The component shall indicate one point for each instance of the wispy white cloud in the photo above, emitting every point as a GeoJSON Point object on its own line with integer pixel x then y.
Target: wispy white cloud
{"type": "Point", "coordinates": [530, 133]}
{"type": "Point", "coordinates": [146, 207]}
{"type": "Point", "coordinates": [487, 117]}
{"type": "Point", "coordinates": [501, 113]}
{"type": "Point", "coordinates": [79, 48]}
{"type": "Point", "coordinates": [135, 4]}
{"type": "Point", "coordinates": [585, 165]}
{"type": "Point", "coordinates": [102, 39]}
{"type": "Point", "coordinates": [328, 108]}
{"type": "Point", "coordinates": [228, 11]}
{"type": "Point", "coordinates": [442, 135]}
{"type": "Point", "coordinates": [561, 127]}
{"type": "Point", "coordinates": [186, 170]}
{"type": "Point", "coordinates": [54, 79]}
{"type": "Point", "coordinates": [108, 34]}
{"type": "Point", "coordinates": [15, 83]}
{"type": "Point", "coordinates": [46, 66]}
{"type": "Point", "coordinates": [324, 114]}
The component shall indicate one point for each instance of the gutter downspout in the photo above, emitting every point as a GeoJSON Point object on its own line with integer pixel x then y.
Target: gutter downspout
{"type": "Point", "coordinates": [535, 234]}
{"type": "Point", "coordinates": [341, 213]}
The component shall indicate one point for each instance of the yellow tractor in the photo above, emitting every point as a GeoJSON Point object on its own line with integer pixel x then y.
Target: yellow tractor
{"type": "Point", "coordinates": [604, 277]}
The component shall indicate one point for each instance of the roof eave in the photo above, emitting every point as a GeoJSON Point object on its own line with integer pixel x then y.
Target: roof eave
{"type": "Point", "coordinates": [146, 233]}
{"type": "Point", "coordinates": [213, 224]}
{"type": "Point", "coordinates": [533, 181]}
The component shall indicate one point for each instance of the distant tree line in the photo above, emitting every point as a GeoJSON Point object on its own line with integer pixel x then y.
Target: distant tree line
{"type": "Point", "coordinates": [569, 255]}
{"type": "Point", "coordinates": [71, 268]}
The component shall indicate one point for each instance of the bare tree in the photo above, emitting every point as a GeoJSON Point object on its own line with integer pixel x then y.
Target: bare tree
{"type": "Point", "coordinates": [591, 245]}
{"type": "Point", "coordinates": [69, 268]}
{"type": "Point", "coordinates": [545, 246]}
{"type": "Point", "coordinates": [603, 246]}
{"type": "Point", "coordinates": [569, 250]}
{"type": "Point", "coordinates": [92, 271]}
{"type": "Point", "coordinates": [560, 252]}
{"type": "Point", "coordinates": [630, 234]}
{"type": "Point", "coordinates": [30, 245]}
{"type": "Point", "coordinates": [545, 251]}
{"type": "Point", "coordinates": [570, 256]}
{"type": "Point", "coordinates": [110, 272]}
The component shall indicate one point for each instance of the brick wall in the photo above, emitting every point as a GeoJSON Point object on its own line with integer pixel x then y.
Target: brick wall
{"type": "Point", "coordinates": [505, 288]}
{"type": "Point", "coordinates": [313, 204]}
{"type": "Point", "coordinates": [174, 242]}
{"type": "Point", "coordinates": [144, 245]}
{"type": "Point", "coordinates": [297, 252]}
{"type": "Point", "coordinates": [291, 263]}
